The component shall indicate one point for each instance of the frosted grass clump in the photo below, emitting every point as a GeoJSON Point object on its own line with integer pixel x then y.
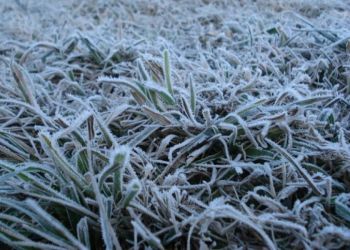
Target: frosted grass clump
{"type": "Point", "coordinates": [204, 130]}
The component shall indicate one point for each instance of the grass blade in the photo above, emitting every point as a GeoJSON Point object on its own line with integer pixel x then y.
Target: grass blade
{"type": "Point", "coordinates": [167, 72]}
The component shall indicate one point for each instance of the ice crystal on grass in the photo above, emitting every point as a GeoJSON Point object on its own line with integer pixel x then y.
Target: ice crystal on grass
{"type": "Point", "coordinates": [174, 125]}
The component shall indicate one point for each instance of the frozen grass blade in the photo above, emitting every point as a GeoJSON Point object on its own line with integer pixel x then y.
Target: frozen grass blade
{"type": "Point", "coordinates": [141, 97]}
{"type": "Point", "coordinates": [108, 234]}
{"type": "Point", "coordinates": [53, 223]}
{"type": "Point", "coordinates": [118, 161]}
{"type": "Point", "coordinates": [108, 136]}
{"type": "Point", "coordinates": [296, 165]}
{"type": "Point", "coordinates": [192, 96]}
{"type": "Point", "coordinates": [156, 116]}
{"type": "Point", "coordinates": [132, 190]}
{"type": "Point", "coordinates": [24, 83]}
{"type": "Point", "coordinates": [52, 150]}
{"type": "Point", "coordinates": [342, 207]}
{"type": "Point", "coordinates": [167, 72]}
{"type": "Point", "coordinates": [83, 232]}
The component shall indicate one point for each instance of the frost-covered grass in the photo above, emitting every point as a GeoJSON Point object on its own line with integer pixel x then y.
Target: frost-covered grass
{"type": "Point", "coordinates": [174, 124]}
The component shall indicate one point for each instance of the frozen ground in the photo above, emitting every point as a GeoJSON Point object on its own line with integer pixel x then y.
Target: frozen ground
{"type": "Point", "coordinates": [174, 124]}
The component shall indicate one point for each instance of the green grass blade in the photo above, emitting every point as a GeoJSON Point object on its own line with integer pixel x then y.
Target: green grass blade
{"type": "Point", "coordinates": [167, 72]}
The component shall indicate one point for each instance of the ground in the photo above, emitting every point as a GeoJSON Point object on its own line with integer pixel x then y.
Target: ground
{"type": "Point", "coordinates": [183, 124]}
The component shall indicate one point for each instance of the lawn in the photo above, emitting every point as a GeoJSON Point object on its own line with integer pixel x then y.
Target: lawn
{"type": "Point", "coordinates": [179, 124]}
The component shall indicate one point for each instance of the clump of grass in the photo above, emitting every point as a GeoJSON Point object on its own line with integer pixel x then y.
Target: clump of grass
{"type": "Point", "coordinates": [242, 141]}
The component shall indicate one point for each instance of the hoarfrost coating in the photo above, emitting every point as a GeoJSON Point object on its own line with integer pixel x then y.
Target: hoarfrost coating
{"type": "Point", "coordinates": [174, 124]}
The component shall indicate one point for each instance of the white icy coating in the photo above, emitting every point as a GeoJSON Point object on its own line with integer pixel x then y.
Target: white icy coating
{"type": "Point", "coordinates": [174, 124]}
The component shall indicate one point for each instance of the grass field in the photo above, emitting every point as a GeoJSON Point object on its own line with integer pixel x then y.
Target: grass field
{"type": "Point", "coordinates": [180, 124]}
